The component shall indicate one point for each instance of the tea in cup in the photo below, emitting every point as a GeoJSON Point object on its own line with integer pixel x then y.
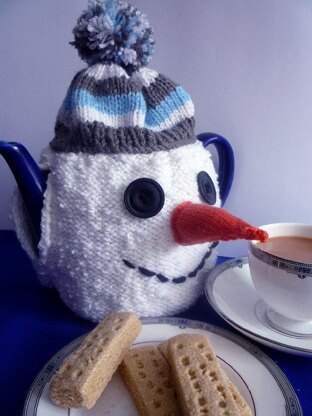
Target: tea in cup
{"type": "Point", "coordinates": [281, 271]}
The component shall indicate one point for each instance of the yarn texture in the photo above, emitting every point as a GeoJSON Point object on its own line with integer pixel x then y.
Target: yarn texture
{"type": "Point", "coordinates": [119, 122]}
{"type": "Point", "coordinates": [108, 111]}
{"type": "Point", "coordinates": [112, 31]}
{"type": "Point", "coordinates": [89, 239]}
{"type": "Point", "coordinates": [197, 223]}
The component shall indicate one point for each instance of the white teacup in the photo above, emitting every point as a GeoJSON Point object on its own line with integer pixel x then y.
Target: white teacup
{"type": "Point", "coordinates": [283, 278]}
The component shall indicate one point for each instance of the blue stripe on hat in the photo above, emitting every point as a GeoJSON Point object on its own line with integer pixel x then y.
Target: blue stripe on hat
{"type": "Point", "coordinates": [112, 105]}
{"type": "Point", "coordinates": [173, 102]}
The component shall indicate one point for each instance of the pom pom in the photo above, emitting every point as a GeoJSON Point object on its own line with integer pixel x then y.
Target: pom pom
{"type": "Point", "coordinates": [111, 31]}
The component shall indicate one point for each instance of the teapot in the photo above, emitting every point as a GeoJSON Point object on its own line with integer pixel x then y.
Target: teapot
{"type": "Point", "coordinates": [133, 281]}
{"type": "Point", "coordinates": [124, 210]}
{"type": "Point", "coordinates": [31, 180]}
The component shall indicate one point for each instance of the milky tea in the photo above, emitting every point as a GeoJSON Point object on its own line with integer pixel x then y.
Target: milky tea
{"type": "Point", "coordinates": [292, 248]}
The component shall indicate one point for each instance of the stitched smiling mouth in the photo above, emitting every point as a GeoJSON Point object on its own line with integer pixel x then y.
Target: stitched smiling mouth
{"type": "Point", "coordinates": [163, 279]}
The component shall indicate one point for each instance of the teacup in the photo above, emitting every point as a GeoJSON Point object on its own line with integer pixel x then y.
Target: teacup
{"type": "Point", "coordinates": [281, 271]}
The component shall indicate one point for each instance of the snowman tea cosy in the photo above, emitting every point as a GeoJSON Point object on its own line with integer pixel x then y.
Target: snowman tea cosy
{"type": "Point", "coordinates": [130, 218]}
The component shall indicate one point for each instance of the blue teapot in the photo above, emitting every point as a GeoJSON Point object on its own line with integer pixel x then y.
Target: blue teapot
{"type": "Point", "coordinates": [31, 180]}
{"type": "Point", "coordinates": [124, 210]}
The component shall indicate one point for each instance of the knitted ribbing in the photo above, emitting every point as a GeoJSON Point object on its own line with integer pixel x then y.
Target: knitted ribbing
{"type": "Point", "coordinates": [119, 122]}
{"type": "Point", "coordinates": [95, 138]}
{"type": "Point", "coordinates": [108, 111]}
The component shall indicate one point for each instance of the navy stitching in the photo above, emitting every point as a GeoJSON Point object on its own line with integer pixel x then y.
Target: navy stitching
{"type": "Point", "coordinates": [176, 280]}
{"type": "Point", "coordinates": [146, 272]}
{"type": "Point", "coordinates": [162, 278]}
{"type": "Point", "coordinates": [127, 263]}
{"type": "Point", "coordinates": [179, 279]}
{"type": "Point", "coordinates": [201, 264]}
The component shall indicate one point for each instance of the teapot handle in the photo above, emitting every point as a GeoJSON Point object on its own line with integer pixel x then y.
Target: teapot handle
{"type": "Point", "coordinates": [226, 161]}
{"type": "Point", "coordinates": [30, 180]}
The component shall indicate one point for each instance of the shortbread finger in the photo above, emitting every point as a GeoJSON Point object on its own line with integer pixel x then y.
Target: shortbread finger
{"type": "Point", "coordinates": [84, 375]}
{"type": "Point", "coordinates": [244, 409]}
{"type": "Point", "coordinates": [147, 376]}
{"type": "Point", "coordinates": [163, 349]}
{"type": "Point", "coordinates": [238, 398]}
{"type": "Point", "coordinates": [199, 379]}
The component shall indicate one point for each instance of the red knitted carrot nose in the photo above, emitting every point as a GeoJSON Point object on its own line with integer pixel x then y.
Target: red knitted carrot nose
{"type": "Point", "coordinates": [199, 223]}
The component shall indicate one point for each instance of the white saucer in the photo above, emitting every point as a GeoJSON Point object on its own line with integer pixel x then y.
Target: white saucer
{"type": "Point", "coordinates": [230, 291]}
{"type": "Point", "coordinates": [269, 393]}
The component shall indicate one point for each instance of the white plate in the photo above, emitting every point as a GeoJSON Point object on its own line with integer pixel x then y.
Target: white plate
{"type": "Point", "coordinates": [260, 381]}
{"type": "Point", "coordinates": [230, 291]}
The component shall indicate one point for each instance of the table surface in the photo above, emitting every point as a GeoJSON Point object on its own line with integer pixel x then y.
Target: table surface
{"type": "Point", "coordinates": [35, 325]}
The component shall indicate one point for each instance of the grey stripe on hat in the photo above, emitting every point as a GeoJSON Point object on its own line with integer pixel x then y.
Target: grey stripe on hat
{"type": "Point", "coordinates": [95, 137]}
{"type": "Point", "coordinates": [158, 90]}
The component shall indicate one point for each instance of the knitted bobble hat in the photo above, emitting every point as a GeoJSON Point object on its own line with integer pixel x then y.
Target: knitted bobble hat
{"type": "Point", "coordinates": [116, 104]}
{"type": "Point", "coordinates": [131, 210]}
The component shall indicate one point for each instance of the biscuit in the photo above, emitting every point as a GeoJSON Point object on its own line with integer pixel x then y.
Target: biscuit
{"type": "Point", "coordinates": [238, 398]}
{"type": "Point", "coordinates": [148, 378]}
{"type": "Point", "coordinates": [199, 380]}
{"type": "Point", "coordinates": [241, 404]}
{"type": "Point", "coordinates": [81, 379]}
{"type": "Point", "coordinates": [163, 349]}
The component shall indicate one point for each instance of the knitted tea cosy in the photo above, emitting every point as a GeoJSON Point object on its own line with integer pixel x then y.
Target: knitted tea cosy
{"type": "Point", "coordinates": [123, 157]}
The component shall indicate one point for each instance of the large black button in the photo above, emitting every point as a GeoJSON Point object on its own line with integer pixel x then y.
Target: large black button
{"type": "Point", "coordinates": [206, 188]}
{"type": "Point", "coordinates": [144, 198]}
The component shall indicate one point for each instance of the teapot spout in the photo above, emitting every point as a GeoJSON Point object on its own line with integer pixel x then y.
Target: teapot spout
{"type": "Point", "coordinates": [30, 181]}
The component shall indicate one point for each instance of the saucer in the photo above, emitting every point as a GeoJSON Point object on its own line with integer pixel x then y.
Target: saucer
{"type": "Point", "coordinates": [230, 291]}
{"type": "Point", "coordinates": [270, 393]}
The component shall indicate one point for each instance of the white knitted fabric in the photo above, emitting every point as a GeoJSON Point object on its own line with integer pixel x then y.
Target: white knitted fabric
{"type": "Point", "coordinates": [87, 232]}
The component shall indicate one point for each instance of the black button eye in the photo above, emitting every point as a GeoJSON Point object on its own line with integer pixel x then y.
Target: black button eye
{"type": "Point", "coordinates": [144, 198]}
{"type": "Point", "coordinates": [206, 188]}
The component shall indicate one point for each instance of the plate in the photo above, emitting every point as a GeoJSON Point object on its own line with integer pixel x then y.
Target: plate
{"type": "Point", "coordinates": [230, 291]}
{"type": "Point", "coordinates": [260, 381]}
